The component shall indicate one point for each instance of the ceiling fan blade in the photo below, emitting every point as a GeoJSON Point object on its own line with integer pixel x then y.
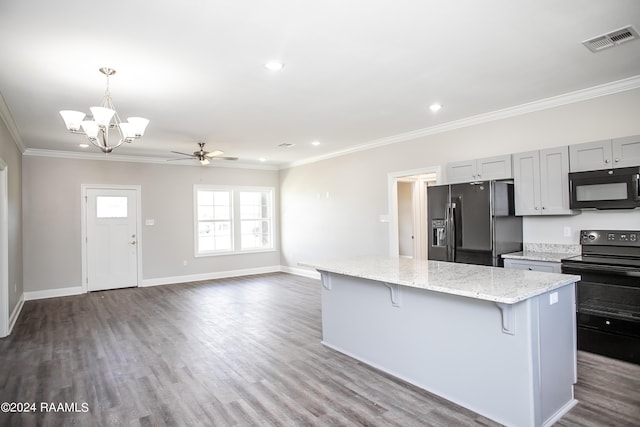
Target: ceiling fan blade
{"type": "Point", "coordinates": [184, 154]}
{"type": "Point", "coordinates": [181, 158]}
{"type": "Point", "coordinates": [213, 153]}
{"type": "Point", "coordinates": [224, 158]}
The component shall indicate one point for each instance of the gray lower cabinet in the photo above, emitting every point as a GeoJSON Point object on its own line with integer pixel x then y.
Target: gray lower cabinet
{"type": "Point", "coordinates": [498, 167]}
{"type": "Point", "coordinates": [523, 264]}
{"type": "Point", "coordinates": [541, 182]}
{"type": "Point", "coordinates": [609, 153]}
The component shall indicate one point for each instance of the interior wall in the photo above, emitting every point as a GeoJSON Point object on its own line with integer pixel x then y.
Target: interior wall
{"type": "Point", "coordinates": [332, 208]}
{"type": "Point", "coordinates": [12, 156]}
{"type": "Point", "coordinates": [52, 217]}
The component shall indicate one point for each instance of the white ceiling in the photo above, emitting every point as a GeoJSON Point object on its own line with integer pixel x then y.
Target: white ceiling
{"type": "Point", "coordinates": [355, 71]}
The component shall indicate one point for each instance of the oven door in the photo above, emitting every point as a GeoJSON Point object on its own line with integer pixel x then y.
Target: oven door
{"type": "Point", "coordinates": [608, 309]}
{"type": "Point", "coordinates": [605, 189]}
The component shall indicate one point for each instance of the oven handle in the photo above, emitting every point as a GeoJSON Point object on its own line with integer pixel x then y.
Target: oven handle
{"type": "Point", "coordinates": [617, 270]}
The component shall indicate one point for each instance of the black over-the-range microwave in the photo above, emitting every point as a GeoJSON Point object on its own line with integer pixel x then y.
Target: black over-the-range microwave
{"type": "Point", "coordinates": [605, 189]}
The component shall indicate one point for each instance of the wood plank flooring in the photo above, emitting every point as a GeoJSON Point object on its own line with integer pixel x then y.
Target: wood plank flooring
{"type": "Point", "coordinates": [233, 352]}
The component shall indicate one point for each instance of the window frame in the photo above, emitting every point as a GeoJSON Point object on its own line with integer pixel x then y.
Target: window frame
{"type": "Point", "coordinates": [235, 220]}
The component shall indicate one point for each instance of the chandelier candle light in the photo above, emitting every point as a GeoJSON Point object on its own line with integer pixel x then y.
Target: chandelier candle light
{"type": "Point", "coordinates": [105, 117]}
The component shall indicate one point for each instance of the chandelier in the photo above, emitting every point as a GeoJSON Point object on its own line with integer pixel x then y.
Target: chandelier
{"type": "Point", "coordinates": [104, 118]}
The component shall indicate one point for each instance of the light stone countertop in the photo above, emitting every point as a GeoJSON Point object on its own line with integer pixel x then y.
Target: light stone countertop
{"type": "Point", "coordinates": [546, 252]}
{"type": "Point", "coordinates": [475, 281]}
{"type": "Point", "coordinates": [538, 256]}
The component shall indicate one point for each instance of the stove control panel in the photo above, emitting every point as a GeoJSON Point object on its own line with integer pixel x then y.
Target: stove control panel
{"type": "Point", "coordinates": [610, 237]}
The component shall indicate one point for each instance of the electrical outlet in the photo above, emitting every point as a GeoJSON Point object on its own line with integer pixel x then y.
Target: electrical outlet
{"type": "Point", "coordinates": [567, 231]}
{"type": "Point", "coordinates": [184, 262]}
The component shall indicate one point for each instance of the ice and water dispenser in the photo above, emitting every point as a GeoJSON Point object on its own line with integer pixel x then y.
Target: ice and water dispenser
{"type": "Point", "coordinates": [439, 233]}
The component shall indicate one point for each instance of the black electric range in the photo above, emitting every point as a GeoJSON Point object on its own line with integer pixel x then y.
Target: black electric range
{"type": "Point", "coordinates": [608, 294]}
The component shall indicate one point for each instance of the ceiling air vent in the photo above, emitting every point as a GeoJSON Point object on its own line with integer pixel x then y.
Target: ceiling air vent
{"type": "Point", "coordinates": [612, 39]}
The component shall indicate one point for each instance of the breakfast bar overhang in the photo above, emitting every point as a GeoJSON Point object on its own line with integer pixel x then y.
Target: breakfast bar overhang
{"type": "Point", "coordinates": [499, 342]}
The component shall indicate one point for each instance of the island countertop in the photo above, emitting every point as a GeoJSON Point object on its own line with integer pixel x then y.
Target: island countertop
{"type": "Point", "coordinates": [475, 281]}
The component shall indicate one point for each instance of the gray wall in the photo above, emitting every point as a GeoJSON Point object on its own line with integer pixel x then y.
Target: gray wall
{"type": "Point", "coordinates": [347, 223]}
{"type": "Point", "coordinates": [12, 156]}
{"type": "Point", "coordinates": [52, 217]}
{"type": "Point", "coordinates": [328, 209]}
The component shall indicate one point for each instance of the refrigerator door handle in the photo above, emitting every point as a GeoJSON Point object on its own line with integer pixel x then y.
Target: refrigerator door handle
{"type": "Point", "coordinates": [451, 232]}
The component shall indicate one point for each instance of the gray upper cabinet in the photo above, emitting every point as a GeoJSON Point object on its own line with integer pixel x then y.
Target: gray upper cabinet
{"type": "Point", "coordinates": [541, 182]}
{"type": "Point", "coordinates": [498, 167]}
{"type": "Point", "coordinates": [609, 153]}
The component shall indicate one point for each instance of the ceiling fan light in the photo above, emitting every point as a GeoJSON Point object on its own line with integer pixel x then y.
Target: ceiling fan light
{"type": "Point", "coordinates": [102, 115]}
{"type": "Point", "coordinates": [91, 128]}
{"type": "Point", "coordinates": [138, 125]}
{"type": "Point", "coordinates": [72, 119]}
{"type": "Point", "coordinates": [204, 161]}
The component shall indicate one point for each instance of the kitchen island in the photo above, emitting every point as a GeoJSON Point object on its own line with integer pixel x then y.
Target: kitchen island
{"type": "Point", "coordinates": [499, 342]}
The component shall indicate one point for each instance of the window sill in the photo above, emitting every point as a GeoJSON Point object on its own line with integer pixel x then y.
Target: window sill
{"type": "Point", "coordinates": [227, 253]}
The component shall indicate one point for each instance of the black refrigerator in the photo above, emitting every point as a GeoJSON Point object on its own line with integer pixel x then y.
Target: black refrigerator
{"type": "Point", "coordinates": [473, 223]}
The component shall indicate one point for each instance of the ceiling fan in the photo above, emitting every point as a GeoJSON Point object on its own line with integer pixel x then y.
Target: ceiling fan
{"type": "Point", "coordinates": [203, 156]}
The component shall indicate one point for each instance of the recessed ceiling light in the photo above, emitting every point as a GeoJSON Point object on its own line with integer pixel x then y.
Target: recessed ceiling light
{"type": "Point", "coordinates": [316, 143]}
{"type": "Point", "coordinates": [83, 145]}
{"type": "Point", "coordinates": [435, 107]}
{"type": "Point", "coordinates": [274, 65]}
{"type": "Point", "coordinates": [262, 159]}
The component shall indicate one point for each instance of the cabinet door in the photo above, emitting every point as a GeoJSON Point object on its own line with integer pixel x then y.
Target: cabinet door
{"type": "Point", "coordinates": [461, 171]}
{"type": "Point", "coordinates": [554, 181]}
{"type": "Point", "coordinates": [590, 156]}
{"type": "Point", "coordinates": [626, 151]}
{"type": "Point", "coordinates": [526, 181]}
{"type": "Point", "coordinates": [494, 168]}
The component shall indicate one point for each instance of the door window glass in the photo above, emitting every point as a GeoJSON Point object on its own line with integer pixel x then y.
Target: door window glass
{"type": "Point", "coordinates": [111, 207]}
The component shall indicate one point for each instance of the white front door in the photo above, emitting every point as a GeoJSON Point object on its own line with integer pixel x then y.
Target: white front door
{"type": "Point", "coordinates": [111, 238]}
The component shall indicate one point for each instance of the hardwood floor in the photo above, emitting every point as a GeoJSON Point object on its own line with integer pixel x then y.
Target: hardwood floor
{"type": "Point", "coordinates": [242, 351]}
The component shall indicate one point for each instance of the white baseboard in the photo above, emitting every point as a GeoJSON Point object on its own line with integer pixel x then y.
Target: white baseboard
{"type": "Point", "coordinates": [311, 274]}
{"type": "Point", "coordinates": [53, 293]}
{"type": "Point", "coordinates": [15, 313]}
{"type": "Point", "coordinates": [77, 290]}
{"type": "Point", "coordinates": [209, 276]}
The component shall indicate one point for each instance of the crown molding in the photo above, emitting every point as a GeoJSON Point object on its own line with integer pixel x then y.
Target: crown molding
{"type": "Point", "coordinates": [530, 107]}
{"type": "Point", "coordinates": [38, 152]}
{"type": "Point", "coordinates": [7, 118]}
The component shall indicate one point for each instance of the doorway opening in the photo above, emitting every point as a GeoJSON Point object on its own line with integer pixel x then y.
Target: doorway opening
{"type": "Point", "coordinates": [408, 211]}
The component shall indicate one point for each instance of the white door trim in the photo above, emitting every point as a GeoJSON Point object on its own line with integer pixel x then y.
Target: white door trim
{"type": "Point", "coordinates": [83, 224]}
{"type": "Point", "coordinates": [392, 191]}
{"type": "Point", "coordinates": [4, 249]}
